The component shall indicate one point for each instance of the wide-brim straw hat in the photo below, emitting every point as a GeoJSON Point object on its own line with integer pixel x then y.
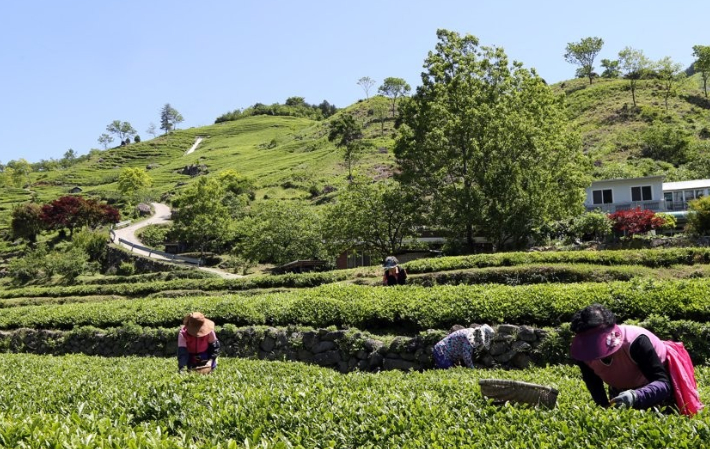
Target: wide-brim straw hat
{"type": "Point", "coordinates": [198, 325]}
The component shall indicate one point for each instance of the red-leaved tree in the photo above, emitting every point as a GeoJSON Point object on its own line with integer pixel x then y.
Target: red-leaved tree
{"type": "Point", "coordinates": [636, 221]}
{"type": "Point", "coordinates": [74, 211]}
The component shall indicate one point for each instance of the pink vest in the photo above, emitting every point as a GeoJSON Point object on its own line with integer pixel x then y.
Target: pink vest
{"type": "Point", "coordinates": [623, 373]}
{"type": "Point", "coordinates": [195, 345]}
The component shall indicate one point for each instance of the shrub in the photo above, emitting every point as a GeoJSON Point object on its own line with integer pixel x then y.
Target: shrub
{"type": "Point", "coordinates": [636, 221]}
{"type": "Point", "coordinates": [93, 244]}
{"type": "Point", "coordinates": [667, 143]}
{"type": "Point", "coordinates": [29, 267]}
{"type": "Point", "coordinates": [699, 216]}
{"type": "Point", "coordinates": [155, 235]}
{"type": "Point", "coordinates": [596, 225]}
{"type": "Point", "coordinates": [126, 269]}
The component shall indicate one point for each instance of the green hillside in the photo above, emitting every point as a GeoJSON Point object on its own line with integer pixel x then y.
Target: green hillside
{"type": "Point", "coordinates": [287, 157]}
{"type": "Point", "coordinates": [616, 135]}
{"type": "Point", "coordinates": [291, 157]}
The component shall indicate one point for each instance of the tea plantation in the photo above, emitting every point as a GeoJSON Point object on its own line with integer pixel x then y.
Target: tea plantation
{"type": "Point", "coordinates": [50, 398]}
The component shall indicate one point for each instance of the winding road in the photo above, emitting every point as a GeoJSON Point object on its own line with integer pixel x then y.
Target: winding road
{"type": "Point", "coordinates": [161, 215]}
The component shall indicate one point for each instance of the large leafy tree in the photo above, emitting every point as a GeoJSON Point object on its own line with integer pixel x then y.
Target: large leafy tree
{"type": "Point", "coordinates": [280, 232]}
{"type": "Point", "coordinates": [488, 145]}
{"type": "Point", "coordinates": [583, 53]}
{"type": "Point", "coordinates": [702, 64]}
{"type": "Point", "coordinates": [73, 212]}
{"type": "Point", "coordinates": [371, 217]}
{"type": "Point", "coordinates": [202, 220]}
{"type": "Point", "coordinates": [634, 66]}
{"type": "Point", "coordinates": [394, 88]}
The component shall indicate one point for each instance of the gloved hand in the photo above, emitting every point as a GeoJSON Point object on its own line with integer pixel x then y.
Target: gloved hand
{"type": "Point", "coordinates": [625, 399]}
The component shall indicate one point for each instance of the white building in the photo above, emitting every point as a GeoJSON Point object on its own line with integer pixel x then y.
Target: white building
{"type": "Point", "coordinates": [650, 192]}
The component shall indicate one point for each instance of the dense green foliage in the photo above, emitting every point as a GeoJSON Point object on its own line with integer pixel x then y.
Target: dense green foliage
{"type": "Point", "coordinates": [648, 258]}
{"type": "Point", "coordinates": [412, 307]}
{"type": "Point", "coordinates": [485, 141]}
{"type": "Point", "coordinates": [144, 403]}
{"type": "Point", "coordinates": [136, 286]}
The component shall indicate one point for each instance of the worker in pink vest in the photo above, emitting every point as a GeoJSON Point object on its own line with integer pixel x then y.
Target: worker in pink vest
{"type": "Point", "coordinates": [198, 346]}
{"type": "Point", "coordinates": [640, 370]}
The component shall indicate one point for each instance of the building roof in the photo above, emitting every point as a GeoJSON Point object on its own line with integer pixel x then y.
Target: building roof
{"type": "Point", "coordinates": [617, 180]}
{"type": "Point", "coordinates": [683, 185]}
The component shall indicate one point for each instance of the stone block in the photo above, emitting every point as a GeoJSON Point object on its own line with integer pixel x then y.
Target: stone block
{"type": "Point", "coordinates": [322, 347]}
{"type": "Point", "coordinates": [327, 358]}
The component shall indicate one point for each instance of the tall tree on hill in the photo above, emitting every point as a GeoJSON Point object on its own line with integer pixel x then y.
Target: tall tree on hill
{"type": "Point", "coordinates": [346, 132]}
{"type": "Point", "coordinates": [122, 130]}
{"type": "Point", "coordinates": [669, 73]}
{"type": "Point", "coordinates": [583, 53]}
{"type": "Point", "coordinates": [105, 140]}
{"type": "Point", "coordinates": [393, 88]}
{"type": "Point", "coordinates": [486, 142]}
{"type": "Point", "coordinates": [169, 118]}
{"type": "Point", "coordinates": [635, 66]}
{"type": "Point", "coordinates": [702, 64]}
{"type": "Point", "coordinates": [366, 83]}
{"type": "Point", "coordinates": [151, 130]}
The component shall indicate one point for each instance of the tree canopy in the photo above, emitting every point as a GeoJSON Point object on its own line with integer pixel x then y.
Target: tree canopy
{"type": "Point", "coordinates": [370, 217]}
{"type": "Point", "coordinates": [488, 145]}
{"type": "Point", "coordinates": [169, 118]}
{"type": "Point", "coordinates": [133, 180]}
{"type": "Point", "coordinates": [634, 66]}
{"type": "Point", "coordinates": [702, 64]}
{"type": "Point", "coordinates": [583, 53]}
{"type": "Point", "coordinates": [394, 88]}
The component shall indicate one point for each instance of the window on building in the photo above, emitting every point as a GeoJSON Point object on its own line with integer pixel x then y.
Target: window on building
{"type": "Point", "coordinates": [602, 196]}
{"type": "Point", "coordinates": [699, 193]}
{"type": "Point", "coordinates": [642, 193]}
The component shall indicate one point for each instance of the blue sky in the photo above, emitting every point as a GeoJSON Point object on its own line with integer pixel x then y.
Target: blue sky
{"type": "Point", "coordinates": [69, 68]}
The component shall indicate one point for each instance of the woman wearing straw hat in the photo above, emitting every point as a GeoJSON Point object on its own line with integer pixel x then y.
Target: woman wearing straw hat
{"type": "Point", "coordinates": [198, 346]}
{"type": "Point", "coordinates": [641, 370]}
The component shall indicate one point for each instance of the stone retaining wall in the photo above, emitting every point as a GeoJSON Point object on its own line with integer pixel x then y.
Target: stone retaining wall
{"type": "Point", "coordinates": [343, 350]}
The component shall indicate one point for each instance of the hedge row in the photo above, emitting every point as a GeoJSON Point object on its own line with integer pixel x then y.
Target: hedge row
{"type": "Point", "coordinates": [533, 274]}
{"type": "Point", "coordinates": [409, 308]}
{"type": "Point", "coordinates": [653, 258]}
{"type": "Point", "coordinates": [146, 288]}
